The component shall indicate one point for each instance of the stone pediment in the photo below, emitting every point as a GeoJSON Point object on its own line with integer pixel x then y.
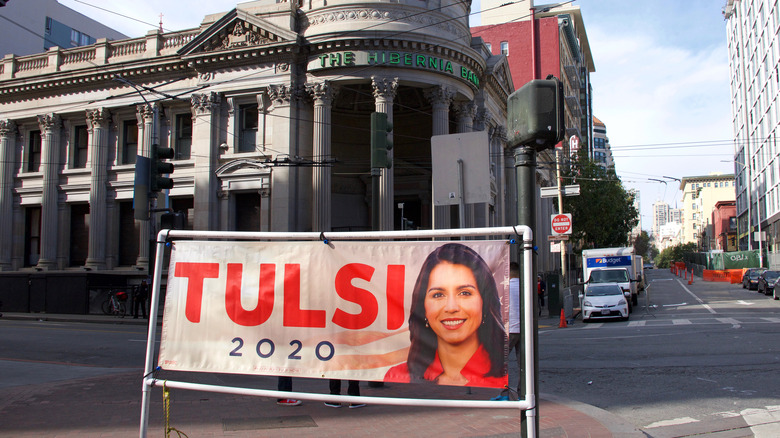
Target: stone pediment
{"type": "Point", "coordinates": [237, 30]}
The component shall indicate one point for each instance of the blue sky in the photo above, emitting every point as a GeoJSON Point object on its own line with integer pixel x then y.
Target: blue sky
{"type": "Point", "coordinates": [661, 84]}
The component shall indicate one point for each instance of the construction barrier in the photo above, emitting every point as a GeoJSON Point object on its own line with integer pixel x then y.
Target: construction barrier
{"type": "Point", "coordinates": [732, 276]}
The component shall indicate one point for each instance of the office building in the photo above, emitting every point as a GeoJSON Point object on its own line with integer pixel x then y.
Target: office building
{"type": "Point", "coordinates": [34, 26]}
{"type": "Point", "coordinates": [700, 195]}
{"type": "Point", "coordinates": [754, 66]}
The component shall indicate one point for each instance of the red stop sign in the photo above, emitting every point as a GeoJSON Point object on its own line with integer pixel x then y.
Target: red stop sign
{"type": "Point", "coordinates": [561, 223]}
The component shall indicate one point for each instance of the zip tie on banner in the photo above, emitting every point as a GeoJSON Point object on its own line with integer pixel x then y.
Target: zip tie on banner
{"type": "Point", "coordinates": [513, 241]}
{"type": "Point", "coordinates": [322, 237]}
{"type": "Point", "coordinates": [167, 413]}
{"type": "Point", "coordinates": [152, 372]}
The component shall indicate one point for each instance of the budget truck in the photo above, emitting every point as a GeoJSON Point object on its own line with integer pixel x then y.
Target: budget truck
{"type": "Point", "coordinates": [611, 265]}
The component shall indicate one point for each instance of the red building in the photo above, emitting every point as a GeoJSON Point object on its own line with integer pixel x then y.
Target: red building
{"type": "Point", "coordinates": [724, 220]}
{"type": "Point", "coordinates": [554, 43]}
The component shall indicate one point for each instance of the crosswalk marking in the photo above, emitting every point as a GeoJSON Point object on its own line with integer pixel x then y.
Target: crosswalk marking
{"type": "Point", "coordinates": [731, 321]}
{"type": "Point", "coordinates": [775, 320]}
{"type": "Point", "coordinates": [637, 323]}
{"type": "Point", "coordinates": [681, 321]}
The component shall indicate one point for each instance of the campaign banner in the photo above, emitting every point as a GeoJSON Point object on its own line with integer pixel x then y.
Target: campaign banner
{"type": "Point", "coordinates": [378, 311]}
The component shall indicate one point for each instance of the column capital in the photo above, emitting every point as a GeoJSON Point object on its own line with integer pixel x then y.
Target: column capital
{"type": "Point", "coordinates": [98, 118]}
{"type": "Point", "coordinates": [465, 109]}
{"type": "Point", "coordinates": [498, 132]}
{"type": "Point", "coordinates": [483, 120]}
{"type": "Point", "coordinates": [7, 127]}
{"type": "Point", "coordinates": [49, 122]}
{"type": "Point", "coordinates": [439, 96]}
{"type": "Point", "coordinates": [146, 111]}
{"type": "Point", "coordinates": [283, 94]}
{"type": "Point", "coordinates": [384, 87]}
{"type": "Point", "coordinates": [204, 103]}
{"type": "Point", "coordinates": [323, 92]}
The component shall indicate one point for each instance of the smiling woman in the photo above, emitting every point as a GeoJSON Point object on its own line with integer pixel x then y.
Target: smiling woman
{"type": "Point", "coordinates": [455, 323]}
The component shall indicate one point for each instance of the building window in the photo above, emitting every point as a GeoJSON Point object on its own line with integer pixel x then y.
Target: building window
{"type": "Point", "coordinates": [34, 152]}
{"type": "Point", "coordinates": [247, 208]}
{"type": "Point", "coordinates": [505, 48]}
{"type": "Point", "coordinates": [128, 235]}
{"type": "Point", "coordinates": [489, 47]}
{"type": "Point", "coordinates": [79, 234]}
{"type": "Point", "coordinates": [184, 205]}
{"type": "Point", "coordinates": [129, 141]}
{"type": "Point", "coordinates": [49, 24]}
{"type": "Point", "coordinates": [247, 134]}
{"type": "Point", "coordinates": [183, 146]}
{"type": "Point", "coordinates": [32, 236]}
{"type": "Point", "coordinates": [80, 147]}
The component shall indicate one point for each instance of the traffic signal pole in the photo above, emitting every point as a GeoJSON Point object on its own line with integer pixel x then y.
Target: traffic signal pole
{"type": "Point", "coordinates": [525, 176]}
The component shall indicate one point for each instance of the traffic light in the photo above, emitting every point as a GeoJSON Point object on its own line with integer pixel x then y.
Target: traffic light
{"type": "Point", "coordinates": [159, 168]}
{"type": "Point", "coordinates": [141, 189]}
{"type": "Point", "coordinates": [381, 143]}
{"type": "Point", "coordinates": [535, 114]}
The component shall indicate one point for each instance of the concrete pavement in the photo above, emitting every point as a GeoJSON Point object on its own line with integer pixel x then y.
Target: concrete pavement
{"type": "Point", "coordinates": [110, 405]}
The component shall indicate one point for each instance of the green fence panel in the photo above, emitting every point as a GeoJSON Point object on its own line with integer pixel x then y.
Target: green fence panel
{"type": "Point", "coordinates": [741, 259]}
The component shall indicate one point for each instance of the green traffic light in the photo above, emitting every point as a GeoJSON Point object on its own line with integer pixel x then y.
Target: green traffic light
{"type": "Point", "coordinates": [381, 141]}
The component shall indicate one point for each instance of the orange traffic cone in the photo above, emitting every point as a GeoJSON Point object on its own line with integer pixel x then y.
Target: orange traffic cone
{"type": "Point", "coordinates": [691, 280]}
{"type": "Point", "coordinates": [563, 320]}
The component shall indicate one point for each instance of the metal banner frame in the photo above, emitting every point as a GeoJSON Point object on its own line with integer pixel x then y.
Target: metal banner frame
{"type": "Point", "coordinates": [527, 404]}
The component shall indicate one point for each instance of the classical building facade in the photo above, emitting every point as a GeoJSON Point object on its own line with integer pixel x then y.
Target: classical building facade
{"type": "Point", "coordinates": [268, 110]}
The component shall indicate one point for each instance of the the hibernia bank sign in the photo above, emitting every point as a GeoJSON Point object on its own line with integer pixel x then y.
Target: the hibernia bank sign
{"type": "Point", "coordinates": [392, 59]}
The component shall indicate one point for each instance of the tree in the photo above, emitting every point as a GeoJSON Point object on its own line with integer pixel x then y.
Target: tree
{"type": "Point", "coordinates": [641, 244]}
{"type": "Point", "coordinates": [603, 214]}
{"type": "Point", "coordinates": [674, 253]}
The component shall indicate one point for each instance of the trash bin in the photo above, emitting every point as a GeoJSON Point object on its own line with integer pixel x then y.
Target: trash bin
{"type": "Point", "coordinates": [554, 299]}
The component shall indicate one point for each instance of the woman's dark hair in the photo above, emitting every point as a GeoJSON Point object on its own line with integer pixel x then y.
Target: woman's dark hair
{"type": "Point", "coordinates": [491, 333]}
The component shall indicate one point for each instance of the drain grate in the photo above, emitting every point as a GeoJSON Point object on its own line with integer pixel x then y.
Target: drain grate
{"type": "Point", "coordinates": [234, 424]}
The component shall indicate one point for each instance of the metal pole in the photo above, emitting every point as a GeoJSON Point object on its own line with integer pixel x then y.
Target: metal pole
{"type": "Point", "coordinates": [558, 163]}
{"type": "Point", "coordinates": [462, 195]}
{"type": "Point", "coordinates": [376, 221]}
{"type": "Point", "coordinates": [525, 171]}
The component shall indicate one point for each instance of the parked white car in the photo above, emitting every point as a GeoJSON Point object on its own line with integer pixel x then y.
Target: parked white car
{"type": "Point", "coordinates": [605, 300]}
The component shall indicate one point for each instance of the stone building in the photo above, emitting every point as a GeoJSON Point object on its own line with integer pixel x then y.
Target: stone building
{"type": "Point", "coordinates": [268, 110]}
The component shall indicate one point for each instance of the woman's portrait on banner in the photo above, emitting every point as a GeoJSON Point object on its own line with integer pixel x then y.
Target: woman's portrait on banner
{"type": "Point", "coordinates": [455, 323]}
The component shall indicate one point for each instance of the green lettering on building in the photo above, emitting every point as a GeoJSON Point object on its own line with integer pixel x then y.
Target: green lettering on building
{"type": "Point", "coordinates": [392, 58]}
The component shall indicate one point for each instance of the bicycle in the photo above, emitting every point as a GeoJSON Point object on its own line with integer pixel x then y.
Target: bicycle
{"type": "Point", "coordinates": [115, 304]}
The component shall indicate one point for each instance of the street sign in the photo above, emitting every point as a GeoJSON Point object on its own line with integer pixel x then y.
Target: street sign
{"type": "Point", "coordinates": [574, 144]}
{"type": "Point", "coordinates": [555, 237]}
{"type": "Point", "coordinates": [552, 192]}
{"type": "Point", "coordinates": [561, 223]}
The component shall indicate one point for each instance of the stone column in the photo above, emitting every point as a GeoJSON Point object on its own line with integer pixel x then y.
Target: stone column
{"type": "Point", "coordinates": [465, 112]}
{"type": "Point", "coordinates": [50, 125]}
{"type": "Point", "coordinates": [284, 192]}
{"type": "Point", "coordinates": [384, 92]}
{"type": "Point", "coordinates": [440, 98]}
{"type": "Point", "coordinates": [147, 121]}
{"type": "Point", "coordinates": [323, 94]}
{"type": "Point", "coordinates": [205, 152]}
{"type": "Point", "coordinates": [7, 150]}
{"type": "Point", "coordinates": [97, 122]}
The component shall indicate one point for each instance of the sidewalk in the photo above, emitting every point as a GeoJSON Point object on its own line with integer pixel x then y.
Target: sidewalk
{"type": "Point", "coordinates": [109, 406]}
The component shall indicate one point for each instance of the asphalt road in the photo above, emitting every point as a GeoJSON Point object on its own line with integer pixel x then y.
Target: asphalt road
{"type": "Point", "coordinates": [700, 355]}
{"type": "Point", "coordinates": [701, 358]}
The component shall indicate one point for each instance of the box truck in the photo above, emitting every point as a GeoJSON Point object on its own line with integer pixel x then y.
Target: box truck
{"type": "Point", "coordinates": [611, 265]}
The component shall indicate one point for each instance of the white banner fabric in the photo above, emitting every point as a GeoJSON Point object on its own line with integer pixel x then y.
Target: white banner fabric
{"type": "Point", "coordinates": [339, 310]}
